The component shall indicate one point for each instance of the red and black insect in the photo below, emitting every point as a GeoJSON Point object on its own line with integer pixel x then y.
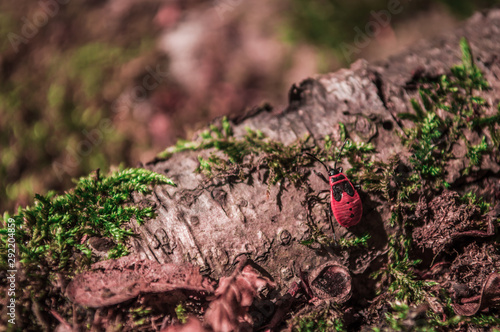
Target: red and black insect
{"type": "Point", "coordinates": [345, 203]}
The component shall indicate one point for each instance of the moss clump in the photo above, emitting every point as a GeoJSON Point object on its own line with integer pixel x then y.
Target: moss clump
{"type": "Point", "coordinates": [357, 153]}
{"type": "Point", "coordinates": [398, 278]}
{"type": "Point", "coordinates": [50, 236]}
{"type": "Point", "coordinates": [247, 154]}
{"type": "Point", "coordinates": [255, 151]}
{"type": "Point", "coordinates": [433, 136]}
{"type": "Point", "coordinates": [321, 319]}
{"type": "Point", "coordinates": [54, 227]}
{"type": "Point", "coordinates": [317, 236]}
{"type": "Point", "coordinates": [140, 315]}
{"type": "Point", "coordinates": [181, 313]}
{"type": "Point", "coordinates": [343, 243]}
{"type": "Point", "coordinates": [447, 107]}
{"type": "Point", "coordinates": [403, 317]}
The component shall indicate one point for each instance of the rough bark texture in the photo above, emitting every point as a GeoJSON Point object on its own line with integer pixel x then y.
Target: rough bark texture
{"type": "Point", "coordinates": [211, 226]}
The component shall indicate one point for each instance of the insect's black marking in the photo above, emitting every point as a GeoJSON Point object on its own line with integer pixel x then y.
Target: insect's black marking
{"type": "Point", "coordinates": [348, 188]}
{"type": "Point", "coordinates": [339, 188]}
{"type": "Point", "coordinates": [352, 215]}
{"type": "Point", "coordinates": [337, 192]}
{"type": "Point", "coordinates": [338, 178]}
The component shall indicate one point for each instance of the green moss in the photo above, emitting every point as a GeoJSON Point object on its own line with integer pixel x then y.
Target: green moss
{"type": "Point", "coordinates": [475, 154]}
{"type": "Point", "coordinates": [343, 243]}
{"type": "Point", "coordinates": [50, 236]}
{"type": "Point", "coordinates": [399, 276]}
{"type": "Point", "coordinates": [400, 319]}
{"type": "Point", "coordinates": [51, 232]}
{"type": "Point", "coordinates": [430, 141]}
{"type": "Point", "coordinates": [181, 313]}
{"type": "Point", "coordinates": [432, 136]}
{"type": "Point", "coordinates": [141, 315]}
{"type": "Point", "coordinates": [282, 162]}
{"type": "Point", "coordinates": [396, 318]}
{"type": "Point", "coordinates": [319, 320]}
{"type": "Point", "coordinates": [403, 317]}
{"type": "Point", "coordinates": [483, 320]}
{"type": "Point", "coordinates": [473, 200]}
{"type": "Point", "coordinates": [353, 242]}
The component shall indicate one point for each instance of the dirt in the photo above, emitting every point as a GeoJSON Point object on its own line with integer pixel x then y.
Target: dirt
{"type": "Point", "coordinates": [446, 220]}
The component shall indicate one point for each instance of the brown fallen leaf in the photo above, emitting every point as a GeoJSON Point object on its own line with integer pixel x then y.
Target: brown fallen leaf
{"type": "Point", "coordinates": [235, 294]}
{"type": "Point", "coordinates": [229, 311]}
{"type": "Point", "coordinates": [490, 296]}
{"type": "Point", "coordinates": [115, 281]}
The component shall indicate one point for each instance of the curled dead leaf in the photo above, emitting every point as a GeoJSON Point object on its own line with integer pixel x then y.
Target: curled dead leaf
{"type": "Point", "coordinates": [490, 296]}
{"type": "Point", "coordinates": [115, 281]}
{"type": "Point", "coordinates": [228, 312]}
{"type": "Point", "coordinates": [235, 294]}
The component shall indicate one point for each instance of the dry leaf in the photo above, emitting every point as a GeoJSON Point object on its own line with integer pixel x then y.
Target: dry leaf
{"type": "Point", "coordinates": [115, 281]}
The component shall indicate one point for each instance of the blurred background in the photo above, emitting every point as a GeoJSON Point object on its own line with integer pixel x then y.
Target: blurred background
{"type": "Point", "coordinates": [88, 84]}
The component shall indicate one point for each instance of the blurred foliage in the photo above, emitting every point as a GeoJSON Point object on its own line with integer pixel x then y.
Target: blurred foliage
{"type": "Point", "coordinates": [333, 24]}
{"type": "Point", "coordinates": [45, 121]}
{"type": "Point", "coordinates": [464, 8]}
{"type": "Point", "coordinates": [56, 96]}
{"type": "Point", "coordinates": [6, 26]}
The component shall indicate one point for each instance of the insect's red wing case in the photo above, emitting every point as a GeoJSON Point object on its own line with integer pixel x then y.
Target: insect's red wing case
{"type": "Point", "coordinates": [349, 209]}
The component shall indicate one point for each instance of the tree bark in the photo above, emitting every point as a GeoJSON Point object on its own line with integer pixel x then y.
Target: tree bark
{"type": "Point", "coordinates": [212, 225]}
